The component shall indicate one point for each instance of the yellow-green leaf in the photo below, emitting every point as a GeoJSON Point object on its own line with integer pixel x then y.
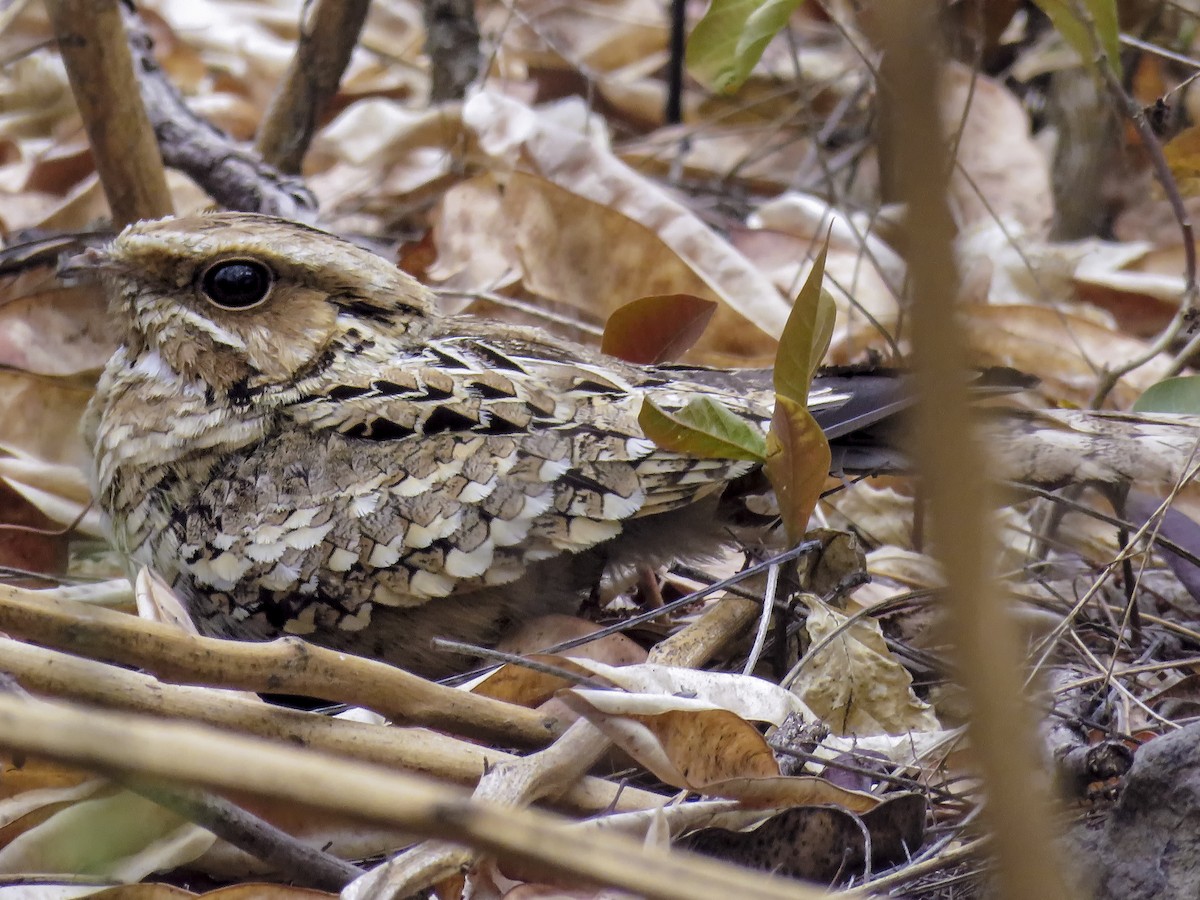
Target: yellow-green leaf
{"type": "Point", "coordinates": [806, 335]}
{"type": "Point", "coordinates": [725, 45]}
{"type": "Point", "coordinates": [703, 428]}
{"type": "Point", "coordinates": [1075, 31]}
{"type": "Point", "coordinates": [797, 463]}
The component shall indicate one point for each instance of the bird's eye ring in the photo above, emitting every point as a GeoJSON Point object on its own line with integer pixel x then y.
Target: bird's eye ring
{"type": "Point", "coordinates": [237, 283]}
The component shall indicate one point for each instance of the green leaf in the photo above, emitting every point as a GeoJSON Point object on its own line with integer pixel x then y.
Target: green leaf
{"type": "Point", "coordinates": [1174, 395]}
{"type": "Point", "coordinates": [1074, 30]}
{"type": "Point", "coordinates": [725, 45]}
{"type": "Point", "coordinates": [656, 329]}
{"type": "Point", "coordinates": [797, 463]}
{"type": "Point", "coordinates": [806, 334]}
{"type": "Point", "coordinates": [703, 428]}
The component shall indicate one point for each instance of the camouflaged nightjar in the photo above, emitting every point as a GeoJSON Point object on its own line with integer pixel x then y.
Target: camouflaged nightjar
{"type": "Point", "coordinates": [300, 443]}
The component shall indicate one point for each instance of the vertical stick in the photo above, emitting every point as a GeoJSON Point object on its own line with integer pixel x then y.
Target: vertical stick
{"type": "Point", "coordinates": [953, 465]}
{"type": "Point", "coordinates": [92, 41]}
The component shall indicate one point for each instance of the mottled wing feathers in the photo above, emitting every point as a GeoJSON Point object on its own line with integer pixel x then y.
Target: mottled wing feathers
{"type": "Point", "coordinates": [403, 485]}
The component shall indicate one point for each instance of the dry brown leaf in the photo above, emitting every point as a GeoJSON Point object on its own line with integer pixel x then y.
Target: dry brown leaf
{"type": "Point", "coordinates": [1183, 156]}
{"type": "Point", "coordinates": [1001, 172]}
{"type": "Point", "coordinates": [41, 418]}
{"type": "Point", "coordinates": [854, 683]}
{"type": "Point", "coordinates": [517, 139]}
{"type": "Point", "coordinates": [656, 329]}
{"type": "Point", "coordinates": [62, 492]}
{"type": "Point", "coordinates": [474, 243]}
{"type": "Point", "coordinates": [686, 744]}
{"type": "Point", "coordinates": [52, 330]}
{"type": "Point", "coordinates": [1065, 350]}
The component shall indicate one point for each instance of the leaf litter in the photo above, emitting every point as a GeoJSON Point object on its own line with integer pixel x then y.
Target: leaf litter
{"type": "Point", "coordinates": [729, 207]}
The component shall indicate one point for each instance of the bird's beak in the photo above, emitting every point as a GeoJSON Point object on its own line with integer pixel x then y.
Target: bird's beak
{"type": "Point", "coordinates": [86, 265]}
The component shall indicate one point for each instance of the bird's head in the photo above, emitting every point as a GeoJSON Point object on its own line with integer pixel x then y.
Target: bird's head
{"type": "Point", "coordinates": [250, 303]}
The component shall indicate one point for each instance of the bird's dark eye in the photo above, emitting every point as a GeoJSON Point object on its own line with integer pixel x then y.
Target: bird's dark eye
{"type": "Point", "coordinates": [237, 283]}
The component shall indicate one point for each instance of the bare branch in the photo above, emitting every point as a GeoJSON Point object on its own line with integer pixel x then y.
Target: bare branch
{"type": "Point", "coordinates": [327, 38]}
{"type": "Point", "coordinates": [100, 67]}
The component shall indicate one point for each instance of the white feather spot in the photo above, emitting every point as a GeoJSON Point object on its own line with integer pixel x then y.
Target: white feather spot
{"type": "Point", "coordinates": [552, 469]}
{"type": "Point", "coordinates": [410, 487]}
{"type": "Point", "coordinates": [358, 621]}
{"type": "Point", "coordinates": [639, 447]}
{"type": "Point", "coordinates": [462, 564]}
{"type": "Point", "coordinates": [431, 585]}
{"type": "Point", "coordinates": [617, 507]}
{"type": "Point", "coordinates": [510, 532]}
{"type": "Point", "coordinates": [307, 538]}
{"type": "Point", "coordinates": [420, 536]}
{"type": "Point", "coordinates": [583, 533]}
{"type": "Point", "coordinates": [341, 560]}
{"type": "Point", "coordinates": [152, 366]}
{"type": "Point", "coordinates": [383, 557]}
{"type": "Point", "coordinates": [476, 491]}
{"type": "Point", "coordinates": [300, 518]}
{"type": "Point", "coordinates": [364, 505]}
{"type": "Point", "coordinates": [282, 578]}
{"type": "Point", "coordinates": [268, 534]}
{"type": "Point", "coordinates": [222, 572]}
{"type": "Point", "coordinates": [262, 553]}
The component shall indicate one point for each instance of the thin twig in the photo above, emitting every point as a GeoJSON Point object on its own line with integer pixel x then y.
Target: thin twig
{"type": "Point", "coordinates": [1185, 317]}
{"type": "Point", "coordinates": [286, 665]}
{"type": "Point", "coordinates": [302, 864]}
{"type": "Point", "coordinates": [953, 463]}
{"type": "Point", "coordinates": [452, 44]}
{"type": "Point", "coordinates": [327, 37]}
{"type": "Point", "coordinates": [53, 674]}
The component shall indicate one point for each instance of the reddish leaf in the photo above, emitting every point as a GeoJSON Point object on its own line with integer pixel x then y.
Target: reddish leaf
{"type": "Point", "coordinates": [797, 463]}
{"type": "Point", "coordinates": [656, 329]}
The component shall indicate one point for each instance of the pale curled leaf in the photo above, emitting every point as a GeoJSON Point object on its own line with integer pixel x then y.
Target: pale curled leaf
{"type": "Point", "coordinates": [854, 682]}
{"type": "Point", "coordinates": [123, 836]}
{"type": "Point", "coordinates": [751, 698]}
